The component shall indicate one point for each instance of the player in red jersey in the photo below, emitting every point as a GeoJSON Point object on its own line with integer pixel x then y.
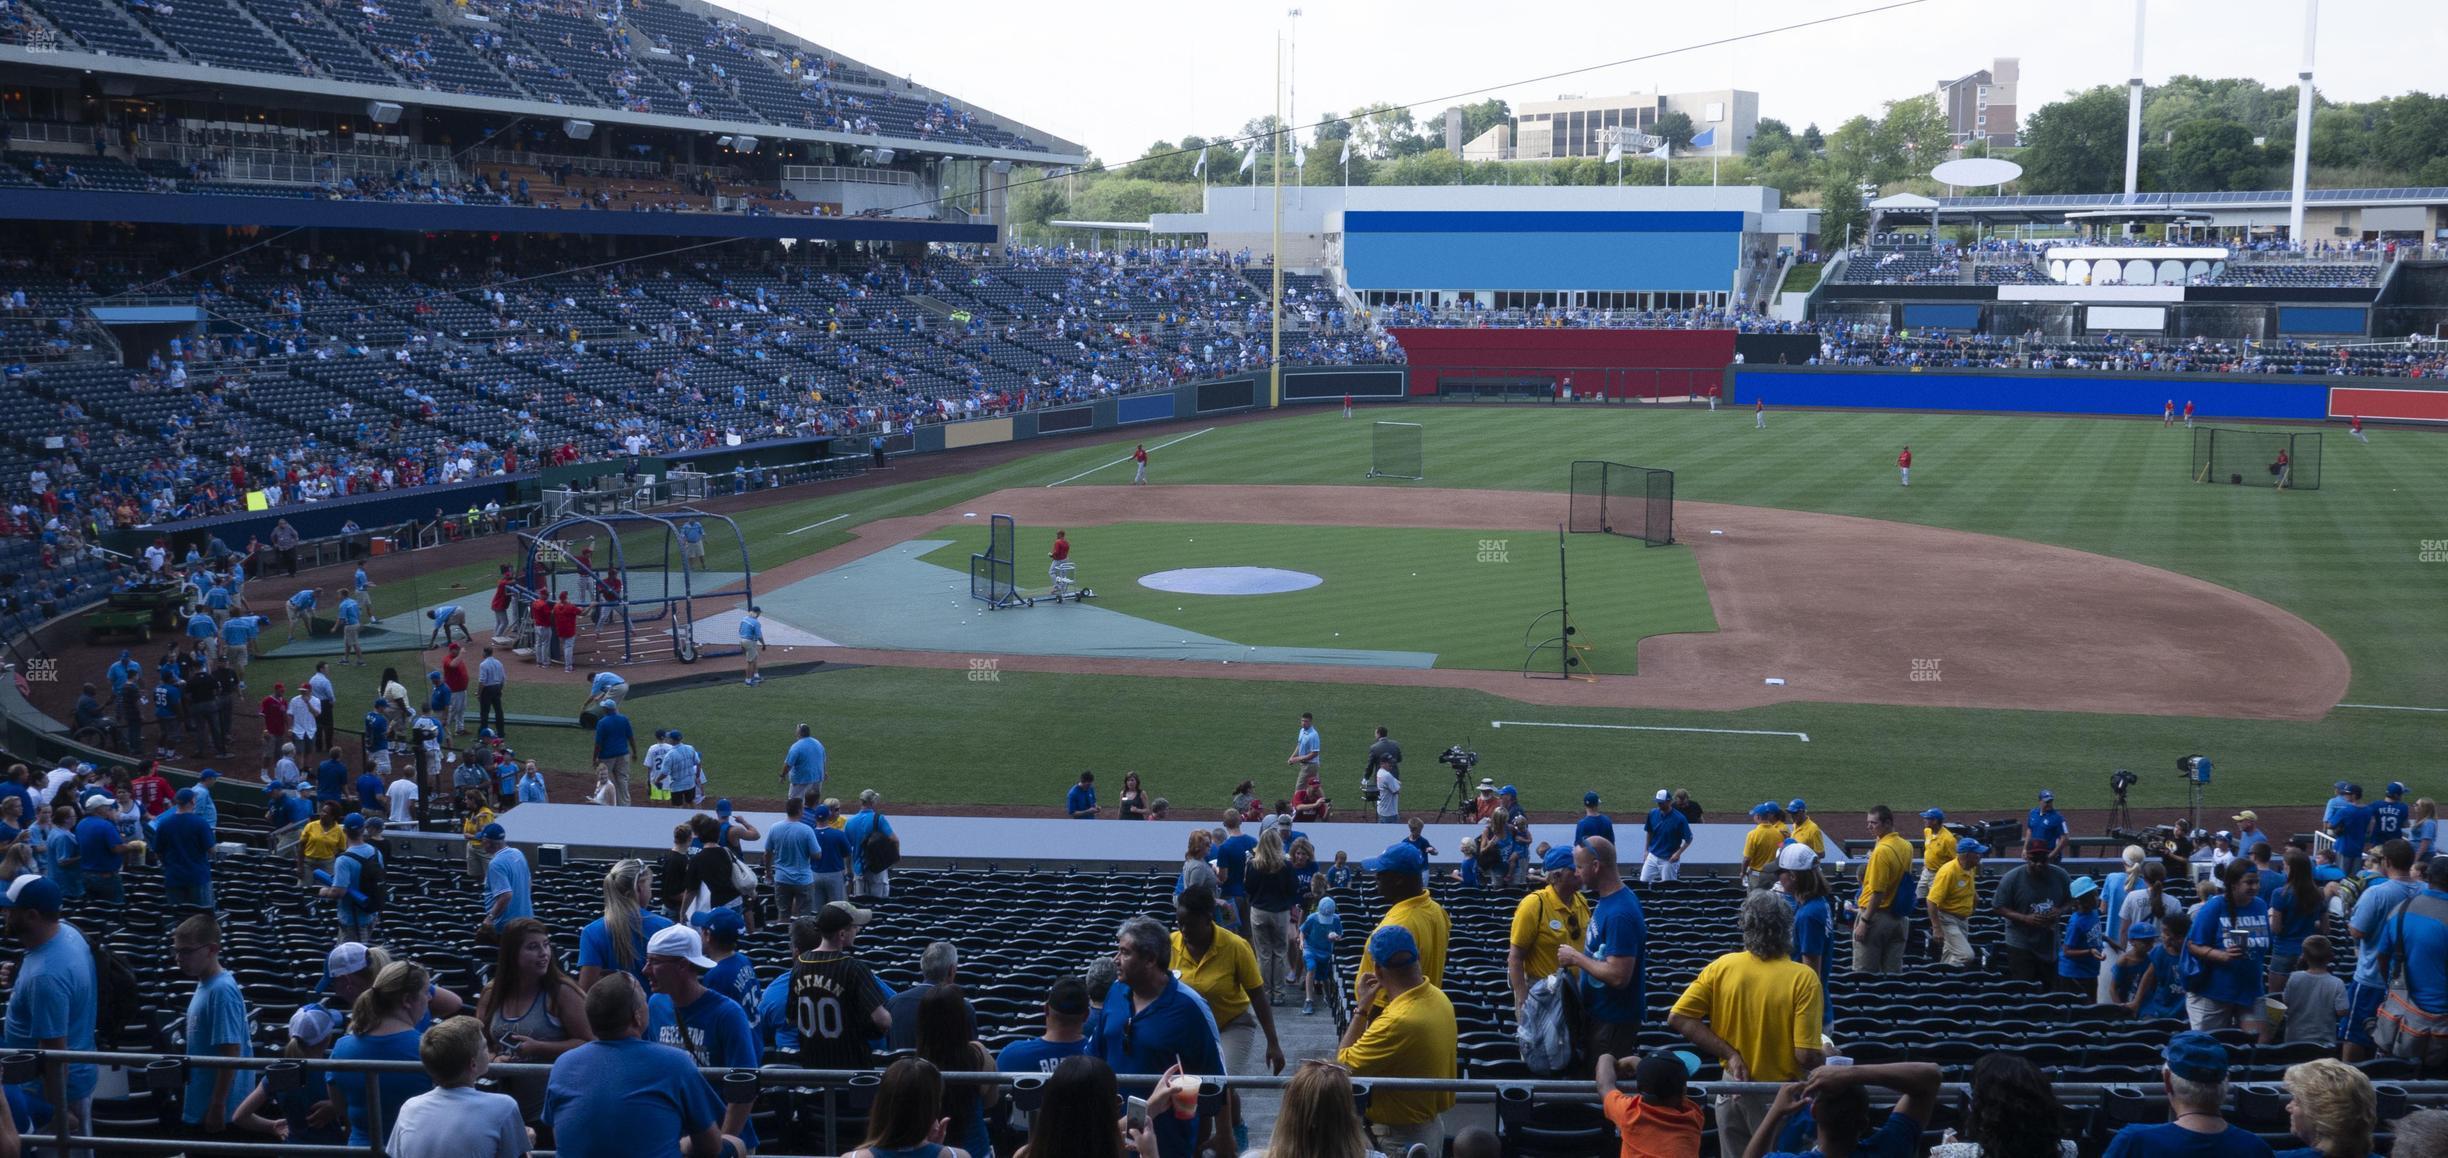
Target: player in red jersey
{"type": "Point", "coordinates": [1904, 466]}
{"type": "Point", "coordinates": [2167, 417]}
{"type": "Point", "coordinates": [2354, 426]}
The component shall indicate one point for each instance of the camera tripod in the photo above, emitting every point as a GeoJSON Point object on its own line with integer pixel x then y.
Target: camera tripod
{"type": "Point", "coordinates": [1459, 790]}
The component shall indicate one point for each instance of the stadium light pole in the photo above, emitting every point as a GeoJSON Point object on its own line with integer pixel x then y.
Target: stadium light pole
{"type": "Point", "coordinates": [2133, 107]}
{"type": "Point", "coordinates": [2303, 126]}
{"type": "Point", "coordinates": [1275, 256]}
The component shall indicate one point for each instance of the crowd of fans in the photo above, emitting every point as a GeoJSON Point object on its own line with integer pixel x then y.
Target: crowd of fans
{"type": "Point", "coordinates": [1880, 345]}
{"type": "Point", "coordinates": [663, 985]}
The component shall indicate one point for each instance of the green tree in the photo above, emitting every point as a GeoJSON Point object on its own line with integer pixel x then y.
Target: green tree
{"type": "Point", "coordinates": [1331, 127]}
{"type": "Point", "coordinates": [1039, 203]}
{"type": "Point", "coordinates": [1840, 211]}
{"type": "Point", "coordinates": [1132, 199]}
{"type": "Point", "coordinates": [1852, 151]}
{"type": "Point", "coordinates": [1429, 167]}
{"type": "Point", "coordinates": [1812, 142]}
{"type": "Point", "coordinates": [1480, 116]}
{"type": "Point", "coordinates": [1911, 137]}
{"type": "Point", "coordinates": [2076, 145]}
{"type": "Point", "coordinates": [1675, 127]}
{"type": "Point", "coordinates": [2213, 154]}
{"type": "Point", "coordinates": [1381, 131]}
{"type": "Point", "coordinates": [1770, 135]}
{"type": "Point", "coordinates": [1166, 161]}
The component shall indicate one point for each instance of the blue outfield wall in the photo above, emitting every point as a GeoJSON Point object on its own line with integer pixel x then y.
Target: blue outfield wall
{"type": "Point", "coordinates": [2030, 392]}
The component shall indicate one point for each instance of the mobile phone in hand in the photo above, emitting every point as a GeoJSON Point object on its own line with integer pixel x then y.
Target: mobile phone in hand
{"type": "Point", "coordinates": [1135, 1109]}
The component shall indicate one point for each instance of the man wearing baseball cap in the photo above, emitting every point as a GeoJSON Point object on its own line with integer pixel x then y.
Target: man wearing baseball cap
{"type": "Point", "coordinates": [1613, 955]}
{"type": "Point", "coordinates": [2045, 825]}
{"type": "Point", "coordinates": [1411, 1033]}
{"type": "Point", "coordinates": [507, 879]}
{"type": "Point", "coordinates": [1801, 829]}
{"type": "Point", "coordinates": [1066, 1018]}
{"type": "Point", "coordinates": [2035, 897]}
{"type": "Point", "coordinates": [1953, 891]}
{"type": "Point", "coordinates": [1401, 873]}
{"type": "Point", "coordinates": [1592, 822]}
{"type": "Point", "coordinates": [686, 1015]}
{"type": "Point", "coordinates": [1937, 850]}
{"type": "Point", "coordinates": [831, 973]}
{"type": "Point", "coordinates": [2338, 800]}
{"type": "Point", "coordinates": [2352, 830]}
{"type": "Point", "coordinates": [2388, 816]}
{"type": "Point", "coordinates": [1546, 920]}
{"type": "Point", "coordinates": [186, 845]}
{"type": "Point", "coordinates": [613, 740]}
{"type": "Point", "coordinates": [1669, 834]}
{"type": "Point", "coordinates": [357, 867]}
{"type": "Point", "coordinates": [2194, 1072]}
{"type": "Point", "coordinates": [1759, 848]}
{"type": "Point", "coordinates": [53, 991]}
{"type": "Point", "coordinates": [2248, 829]}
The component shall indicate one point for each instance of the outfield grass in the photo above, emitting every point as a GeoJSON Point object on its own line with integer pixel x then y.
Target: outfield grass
{"type": "Point", "coordinates": [2345, 558]}
{"type": "Point", "coordinates": [1465, 595]}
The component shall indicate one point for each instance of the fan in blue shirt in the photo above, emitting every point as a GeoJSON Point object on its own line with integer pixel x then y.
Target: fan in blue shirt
{"type": "Point", "coordinates": [1838, 1117]}
{"type": "Point", "coordinates": [1080, 803]}
{"type": "Point", "coordinates": [1594, 823]}
{"type": "Point", "coordinates": [711, 1027]}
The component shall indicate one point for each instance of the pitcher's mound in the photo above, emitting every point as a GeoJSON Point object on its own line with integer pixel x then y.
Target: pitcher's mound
{"type": "Point", "coordinates": [1229, 581]}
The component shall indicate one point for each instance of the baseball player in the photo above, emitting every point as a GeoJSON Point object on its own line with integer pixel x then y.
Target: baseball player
{"type": "Point", "coordinates": [2188, 414]}
{"type": "Point", "coordinates": [1759, 414]}
{"type": "Point", "coordinates": [2283, 468]}
{"type": "Point", "coordinates": [1139, 456]}
{"type": "Point", "coordinates": [2167, 417]}
{"type": "Point", "coordinates": [1347, 411]}
{"type": "Point", "coordinates": [2354, 426]}
{"type": "Point", "coordinates": [1904, 466]}
{"type": "Point", "coordinates": [1059, 555]}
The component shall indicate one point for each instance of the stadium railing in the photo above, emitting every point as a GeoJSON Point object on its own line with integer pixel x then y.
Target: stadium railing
{"type": "Point", "coordinates": [159, 1074]}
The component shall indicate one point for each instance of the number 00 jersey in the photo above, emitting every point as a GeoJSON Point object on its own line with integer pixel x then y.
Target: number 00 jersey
{"type": "Point", "coordinates": [833, 999]}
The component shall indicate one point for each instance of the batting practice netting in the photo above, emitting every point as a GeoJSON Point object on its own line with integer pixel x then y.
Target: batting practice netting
{"type": "Point", "coordinates": [1395, 451]}
{"type": "Point", "coordinates": [2251, 458]}
{"type": "Point", "coordinates": [1610, 498]}
{"type": "Point", "coordinates": [993, 579]}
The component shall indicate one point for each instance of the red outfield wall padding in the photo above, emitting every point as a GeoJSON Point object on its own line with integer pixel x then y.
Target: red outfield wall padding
{"type": "Point", "coordinates": [2391, 405]}
{"type": "Point", "coordinates": [1615, 363]}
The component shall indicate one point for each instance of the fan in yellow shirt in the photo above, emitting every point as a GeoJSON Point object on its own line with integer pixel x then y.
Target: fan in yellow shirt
{"type": "Point", "coordinates": [1953, 891]}
{"type": "Point", "coordinates": [1803, 830]}
{"type": "Point", "coordinates": [1544, 920]}
{"type": "Point", "coordinates": [1760, 844]}
{"type": "Point", "coordinates": [1937, 848]}
{"type": "Point", "coordinates": [1413, 1035]}
{"type": "Point", "coordinates": [319, 841]}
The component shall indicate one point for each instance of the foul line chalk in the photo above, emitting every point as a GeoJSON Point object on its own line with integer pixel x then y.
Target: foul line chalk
{"type": "Point", "coordinates": [1802, 736]}
{"type": "Point", "coordinates": [813, 526]}
{"type": "Point", "coordinates": [1126, 458]}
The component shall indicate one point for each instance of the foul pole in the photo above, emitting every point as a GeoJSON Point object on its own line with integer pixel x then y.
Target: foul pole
{"type": "Point", "coordinates": [2303, 126]}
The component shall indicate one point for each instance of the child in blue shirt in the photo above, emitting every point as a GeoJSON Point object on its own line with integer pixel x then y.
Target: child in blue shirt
{"type": "Point", "coordinates": [1318, 936]}
{"type": "Point", "coordinates": [2078, 957]}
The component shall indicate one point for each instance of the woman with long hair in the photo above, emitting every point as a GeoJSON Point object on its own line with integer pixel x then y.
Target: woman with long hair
{"type": "Point", "coordinates": [1274, 894]}
{"type": "Point", "coordinates": [2332, 1108]}
{"type": "Point", "coordinates": [382, 1026]}
{"type": "Point", "coordinates": [1075, 1113]}
{"type": "Point", "coordinates": [1303, 856]}
{"type": "Point", "coordinates": [2230, 943]}
{"type": "Point", "coordinates": [2422, 829]}
{"type": "Point", "coordinates": [1134, 802]}
{"type": "Point", "coordinates": [947, 1038]}
{"type": "Point", "coordinates": [2013, 1114]}
{"type": "Point", "coordinates": [1318, 1117]}
{"type": "Point", "coordinates": [2147, 900]}
{"type": "Point", "coordinates": [2296, 910]}
{"type": "Point", "coordinates": [906, 1122]}
{"type": "Point", "coordinates": [532, 1012]}
{"type": "Point", "coordinates": [616, 942]}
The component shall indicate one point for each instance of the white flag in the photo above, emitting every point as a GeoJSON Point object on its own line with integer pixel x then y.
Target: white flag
{"type": "Point", "coordinates": [1614, 152]}
{"type": "Point", "coordinates": [1300, 157]}
{"type": "Point", "coordinates": [1249, 160]}
{"type": "Point", "coordinates": [1200, 169]}
{"type": "Point", "coordinates": [1347, 150]}
{"type": "Point", "coordinates": [1663, 151]}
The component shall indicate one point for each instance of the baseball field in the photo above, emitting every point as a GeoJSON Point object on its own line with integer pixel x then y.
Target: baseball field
{"type": "Point", "coordinates": [2049, 600]}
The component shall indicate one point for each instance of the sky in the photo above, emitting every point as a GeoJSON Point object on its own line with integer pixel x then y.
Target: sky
{"type": "Point", "coordinates": [1119, 75]}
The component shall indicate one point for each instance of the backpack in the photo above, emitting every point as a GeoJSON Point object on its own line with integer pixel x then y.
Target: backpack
{"type": "Point", "coordinates": [1545, 1034]}
{"type": "Point", "coordinates": [2404, 1029]}
{"type": "Point", "coordinates": [370, 879]}
{"type": "Point", "coordinates": [743, 878]}
{"type": "Point", "coordinates": [881, 850]}
{"type": "Point", "coordinates": [118, 1001]}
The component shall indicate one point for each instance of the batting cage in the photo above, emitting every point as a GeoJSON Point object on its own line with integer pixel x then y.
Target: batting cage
{"type": "Point", "coordinates": [1395, 451]}
{"type": "Point", "coordinates": [2252, 458]}
{"type": "Point", "coordinates": [1610, 498]}
{"type": "Point", "coordinates": [993, 578]}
